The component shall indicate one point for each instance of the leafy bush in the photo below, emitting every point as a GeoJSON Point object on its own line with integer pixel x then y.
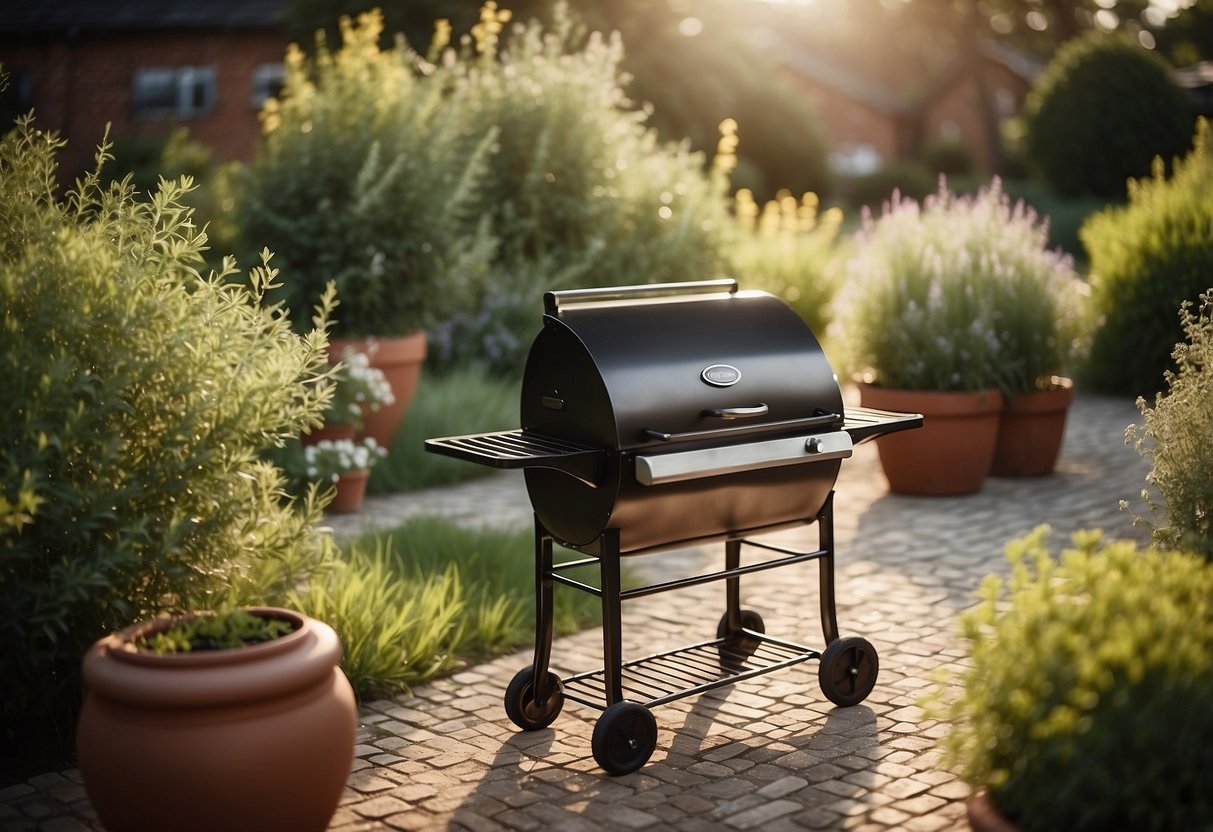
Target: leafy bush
{"type": "Point", "coordinates": [907, 180]}
{"type": "Point", "coordinates": [1103, 108]}
{"type": "Point", "coordinates": [958, 294]}
{"type": "Point", "coordinates": [138, 393]}
{"type": "Point", "coordinates": [226, 629]}
{"type": "Point", "coordinates": [1147, 258]}
{"type": "Point", "coordinates": [1085, 705]}
{"type": "Point", "coordinates": [579, 191]}
{"type": "Point", "coordinates": [1175, 437]}
{"type": "Point", "coordinates": [785, 248]}
{"type": "Point", "coordinates": [366, 176]}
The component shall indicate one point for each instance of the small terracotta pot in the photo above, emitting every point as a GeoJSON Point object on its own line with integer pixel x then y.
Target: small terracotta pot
{"type": "Point", "coordinates": [951, 453]}
{"type": "Point", "coordinates": [1030, 434]}
{"type": "Point", "coordinates": [400, 359]}
{"type": "Point", "coordinates": [341, 430]}
{"type": "Point", "coordinates": [351, 491]}
{"type": "Point", "coordinates": [259, 737]}
{"type": "Point", "coordinates": [984, 817]}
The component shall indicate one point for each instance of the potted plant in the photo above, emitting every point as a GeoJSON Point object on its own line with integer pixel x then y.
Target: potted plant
{"type": "Point", "coordinates": [1084, 704]}
{"type": "Point", "coordinates": [200, 721]}
{"type": "Point", "coordinates": [920, 322]}
{"type": "Point", "coordinates": [365, 177]}
{"type": "Point", "coordinates": [347, 464]}
{"type": "Point", "coordinates": [358, 391]}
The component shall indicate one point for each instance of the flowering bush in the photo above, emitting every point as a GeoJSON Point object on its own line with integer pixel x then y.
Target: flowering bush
{"type": "Point", "coordinates": [959, 293]}
{"type": "Point", "coordinates": [358, 385]}
{"type": "Point", "coordinates": [328, 459]}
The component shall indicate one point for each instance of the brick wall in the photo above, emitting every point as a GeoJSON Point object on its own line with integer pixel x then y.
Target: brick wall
{"type": "Point", "coordinates": [80, 84]}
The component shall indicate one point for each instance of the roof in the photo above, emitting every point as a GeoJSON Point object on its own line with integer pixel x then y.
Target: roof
{"type": "Point", "coordinates": [111, 15]}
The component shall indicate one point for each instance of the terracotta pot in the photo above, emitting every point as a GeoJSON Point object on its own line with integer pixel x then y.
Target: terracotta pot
{"type": "Point", "coordinates": [1029, 436]}
{"type": "Point", "coordinates": [341, 430]}
{"type": "Point", "coordinates": [951, 453]}
{"type": "Point", "coordinates": [400, 359]}
{"type": "Point", "coordinates": [984, 817]}
{"type": "Point", "coordinates": [260, 737]}
{"type": "Point", "coordinates": [351, 491]}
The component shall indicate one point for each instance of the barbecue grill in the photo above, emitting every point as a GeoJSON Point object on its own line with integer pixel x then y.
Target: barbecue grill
{"type": "Point", "coordinates": [662, 416]}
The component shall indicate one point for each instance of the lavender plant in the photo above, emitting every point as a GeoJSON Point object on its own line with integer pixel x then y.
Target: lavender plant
{"type": "Point", "coordinates": [959, 293]}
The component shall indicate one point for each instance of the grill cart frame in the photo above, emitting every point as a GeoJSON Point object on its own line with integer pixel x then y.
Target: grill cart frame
{"type": "Point", "coordinates": [647, 473]}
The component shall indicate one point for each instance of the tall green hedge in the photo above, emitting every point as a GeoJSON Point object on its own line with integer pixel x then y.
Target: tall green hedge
{"type": "Point", "coordinates": [1147, 258]}
{"type": "Point", "coordinates": [138, 394]}
{"type": "Point", "coordinates": [1102, 110]}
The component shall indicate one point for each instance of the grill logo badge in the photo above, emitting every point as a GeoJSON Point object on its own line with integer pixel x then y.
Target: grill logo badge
{"type": "Point", "coordinates": [721, 375]}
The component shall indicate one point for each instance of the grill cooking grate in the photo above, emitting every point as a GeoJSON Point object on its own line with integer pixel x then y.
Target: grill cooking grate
{"type": "Point", "coordinates": [520, 449]}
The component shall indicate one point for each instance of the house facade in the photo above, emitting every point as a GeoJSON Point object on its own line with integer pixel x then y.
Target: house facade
{"type": "Point", "coordinates": [144, 67]}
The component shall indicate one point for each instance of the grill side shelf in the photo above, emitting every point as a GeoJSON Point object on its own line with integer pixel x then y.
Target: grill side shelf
{"type": "Point", "coordinates": [520, 449]}
{"type": "Point", "coordinates": [867, 423]}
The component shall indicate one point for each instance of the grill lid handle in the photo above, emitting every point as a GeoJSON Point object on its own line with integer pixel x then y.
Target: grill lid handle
{"type": "Point", "coordinates": [553, 300]}
{"type": "Point", "coordinates": [738, 412]}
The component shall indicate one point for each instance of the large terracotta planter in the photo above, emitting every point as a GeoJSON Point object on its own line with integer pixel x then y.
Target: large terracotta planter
{"type": "Point", "coordinates": [984, 816]}
{"type": "Point", "coordinates": [952, 451]}
{"type": "Point", "coordinates": [400, 359]}
{"type": "Point", "coordinates": [260, 737]}
{"type": "Point", "coordinates": [1029, 436]}
{"type": "Point", "coordinates": [351, 491]}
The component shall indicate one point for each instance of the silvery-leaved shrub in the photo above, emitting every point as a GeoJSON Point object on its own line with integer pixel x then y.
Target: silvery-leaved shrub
{"type": "Point", "coordinates": [1084, 704]}
{"type": "Point", "coordinates": [958, 293]}
{"type": "Point", "coordinates": [1176, 438]}
{"type": "Point", "coordinates": [138, 396]}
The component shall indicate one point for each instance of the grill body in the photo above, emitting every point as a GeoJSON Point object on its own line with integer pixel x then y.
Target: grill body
{"type": "Point", "coordinates": [654, 416]}
{"type": "Point", "coordinates": [635, 379]}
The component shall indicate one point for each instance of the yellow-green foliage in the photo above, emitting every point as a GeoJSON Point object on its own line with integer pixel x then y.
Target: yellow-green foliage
{"type": "Point", "coordinates": [138, 395]}
{"type": "Point", "coordinates": [1085, 705]}
{"type": "Point", "coordinates": [365, 177]}
{"type": "Point", "coordinates": [227, 629]}
{"type": "Point", "coordinates": [1147, 258]}
{"type": "Point", "coordinates": [784, 247]}
{"type": "Point", "coordinates": [1176, 437]}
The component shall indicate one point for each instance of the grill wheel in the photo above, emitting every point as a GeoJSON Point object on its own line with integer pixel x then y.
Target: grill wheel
{"type": "Point", "coordinates": [625, 736]}
{"type": "Point", "coordinates": [848, 670]}
{"type": "Point", "coordinates": [750, 620]}
{"type": "Point", "coordinates": [520, 705]}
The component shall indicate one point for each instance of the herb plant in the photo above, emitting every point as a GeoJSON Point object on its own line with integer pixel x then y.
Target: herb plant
{"type": "Point", "coordinates": [224, 630]}
{"type": "Point", "coordinates": [139, 393]}
{"type": "Point", "coordinates": [1085, 704]}
{"type": "Point", "coordinates": [1175, 437]}
{"type": "Point", "coordinates": [958, 293]}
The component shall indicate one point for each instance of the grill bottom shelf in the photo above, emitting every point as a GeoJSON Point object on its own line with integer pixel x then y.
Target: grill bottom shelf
{"type": "Point", "coordinates": [686, 671]}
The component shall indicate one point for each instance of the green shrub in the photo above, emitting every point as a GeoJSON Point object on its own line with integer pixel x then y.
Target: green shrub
{"type": "Point", "coordinates": [1175, 437]}
{"type": "Point", "coordinates": [366, 176]}
{"type": "Point", "coordinates": [579, 191]}
{"type": "Point", "coordinates": [910, 180]}
{"type": "Point", "coordinates": [1085, 702]}
{"type": "Point", "coordinates": [785, 248]}
{"type": "Point", "coordinates": [1147, 258]}
{"type": "Point", "coordinates": [1103, 109]}
{"type": "Point", "coordinates": [226, 629]}
{"type": "Point", "coordinates": [138, 393]}
{"type": "Point", "coordinates": [959, 293]}
{"type": "Point", "coordinates": [949, 157]}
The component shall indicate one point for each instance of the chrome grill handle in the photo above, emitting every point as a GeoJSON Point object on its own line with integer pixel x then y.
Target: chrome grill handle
{"type": "Point", "coordinates": [738, 412]}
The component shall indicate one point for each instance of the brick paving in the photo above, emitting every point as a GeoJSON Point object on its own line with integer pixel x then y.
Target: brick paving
{"type": "Point", "coordinates": [769, 753]}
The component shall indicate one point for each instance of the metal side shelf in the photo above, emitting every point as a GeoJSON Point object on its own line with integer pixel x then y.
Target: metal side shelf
{"type": "Point", "coordinates": [686, 671]}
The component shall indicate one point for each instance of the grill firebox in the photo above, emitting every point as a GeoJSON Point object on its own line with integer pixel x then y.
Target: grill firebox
{"type": "Point", "coordinates": [661, 416]}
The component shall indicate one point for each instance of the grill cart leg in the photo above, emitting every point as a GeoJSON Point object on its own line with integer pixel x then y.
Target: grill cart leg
{"type": "Point", "coordinates": [535, 696]}
{"type": "Point", "coordinates": [735, 619]}
{"type": "Point", "coordinates": [825, 570]}
{"type": "Point", "coordinates": [612, 626]}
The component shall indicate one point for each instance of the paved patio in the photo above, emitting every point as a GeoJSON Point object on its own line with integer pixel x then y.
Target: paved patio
{"type": "Point", "coordinates": [770, 753]}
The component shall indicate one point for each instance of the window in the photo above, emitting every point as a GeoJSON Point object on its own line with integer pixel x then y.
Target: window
{"type": "Point", "coordinates": [267, 83]}
{"type": "Point", "coordinates": [16, 100]}
{"type": "Point", "coordinates": [177, 92]}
